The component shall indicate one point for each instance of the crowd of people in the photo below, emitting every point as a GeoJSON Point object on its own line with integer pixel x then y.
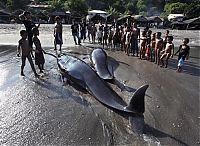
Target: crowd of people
{"type": "Point", "coordinates": [126, 37]}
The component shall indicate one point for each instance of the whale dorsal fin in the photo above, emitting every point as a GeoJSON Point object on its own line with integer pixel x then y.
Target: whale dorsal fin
{"type": "Point", "coordinates": [137, 101]}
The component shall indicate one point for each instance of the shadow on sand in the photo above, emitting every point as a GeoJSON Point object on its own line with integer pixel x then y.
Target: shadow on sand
{"type": "Point", "coordinates": [188, 68]}
{"type": "Point", "coordinates": [159, 134]}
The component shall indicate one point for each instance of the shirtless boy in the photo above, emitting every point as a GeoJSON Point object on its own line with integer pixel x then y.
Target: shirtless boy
{"type": "Point", "coordinates": [168, 51]}
{"type": "Point", "coordinates": [24, 50]}
{"type": "Point", "coordinates": [58, 33]}
{"type": "Point", "coordinates": [158, 47]}
{"type": "Point", "coordinates": [143, 41]}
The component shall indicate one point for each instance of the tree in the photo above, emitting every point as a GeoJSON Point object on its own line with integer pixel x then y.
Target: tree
{"type": "Point", "coordinates": [77, 7]}
{"type": "Point", "coordinates": [56, 5]}
{"type": "Point", "coordinates": [142, 5]}
{"type": "Point", "coordinates": [17, 4]}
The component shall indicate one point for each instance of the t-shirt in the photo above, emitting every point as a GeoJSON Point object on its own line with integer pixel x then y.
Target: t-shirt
{"type": "Point", "coordinates": [74, 28]}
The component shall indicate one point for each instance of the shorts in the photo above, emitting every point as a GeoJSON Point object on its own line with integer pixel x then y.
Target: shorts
{"type": "Point", "coordinates": [180, 62]}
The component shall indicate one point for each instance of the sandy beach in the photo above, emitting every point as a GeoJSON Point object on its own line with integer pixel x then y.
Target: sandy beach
{"type": "Point", "coordinates": [44, 112]}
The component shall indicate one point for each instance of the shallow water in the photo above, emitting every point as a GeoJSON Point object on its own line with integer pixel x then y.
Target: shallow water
{"type": "Point", "coordinates": [9, 34]}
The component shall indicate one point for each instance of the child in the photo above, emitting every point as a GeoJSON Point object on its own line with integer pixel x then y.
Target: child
{"type": "Point", "coordinates": [158, 47]}
{"type": "Point", "coordinates": [127, 41]}
{"type": "Point", "coordinates": [183, 51]}
{"type": "Point", "coordinates": [58, 33]}
{"type": "Point", "coordinates": [39, 57]}
{"type": "Point", "coordinates": [169, 51]}
{"type": "Point", "coordinates": [148, 42]}
{"type": "Point", "coordinates": [152, 47]}
{"type": "Point", "coordinates": [110, 37]}
{"type": "Point", "coordinates": [143, 39]}
{"type": "Point", "coordinates": [100, 35]}
{"type": "Point", "coordinates": [25, 50]}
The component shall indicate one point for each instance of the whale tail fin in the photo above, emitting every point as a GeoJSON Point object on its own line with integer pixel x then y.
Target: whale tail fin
{"type": "Point", "coordinates": [137, 101]}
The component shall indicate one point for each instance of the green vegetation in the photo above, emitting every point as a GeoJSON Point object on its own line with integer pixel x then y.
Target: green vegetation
{"type": "Point", "coordinates": [146, 7]}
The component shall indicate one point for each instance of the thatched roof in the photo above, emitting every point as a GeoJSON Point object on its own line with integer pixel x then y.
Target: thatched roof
{"type": "Point", "coordinates": [124, 17]}
{"type": "Point", "coordinates": [4, 13]}
{"type": "Point", "coordinates": [192, 21]}
{"type": "Point", "coordinates": [139, 18]}
{"type": "Point", "coordinates": [97, 17]}
{"type": "Point", "coordinates": [154, 19]}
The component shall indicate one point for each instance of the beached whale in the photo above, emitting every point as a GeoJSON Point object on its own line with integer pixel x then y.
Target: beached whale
{"type": "Point", "coordinates": [98, 57]}
{"type": "Point", "coordinates": [84, 76]}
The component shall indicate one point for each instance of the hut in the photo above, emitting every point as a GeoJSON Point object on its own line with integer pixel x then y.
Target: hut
{"type": "Point", "coordinates": [124, 19]}
{"type": "Point", "coordinates": [62, 14]}
{"type": "Point", "coordinates": [40, 16]}
{"type": "Point", "coordinates": [187, 24]}
{"type": "Point", "coordinates": [141, 20]}
{"type": "Point", "coordinates": [98, 18]}
{"type": "Point", "coordinates": [154, 21]}
{"type": "Point", "coordinates": [193, 23]}
{"type": "Point", "coordinates": [4, 16]}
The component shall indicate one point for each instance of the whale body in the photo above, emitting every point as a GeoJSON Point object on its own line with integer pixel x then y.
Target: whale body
{"type": "Point", "coordinates": [84, 76]}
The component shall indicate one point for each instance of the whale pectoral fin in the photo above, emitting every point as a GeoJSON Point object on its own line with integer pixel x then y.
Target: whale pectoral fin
{"type": "Point", "coordinates": [111, 70]}
{"type": "Point", "coordinates": [137, 101]}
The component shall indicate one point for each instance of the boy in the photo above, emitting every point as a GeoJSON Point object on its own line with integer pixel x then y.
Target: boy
{"type": "Point", "coordinates": [25, 52]}
{"type": "Point", "coordinates": [143, 41]}
{"type": "Point", "coordinates": [183, 51]}
{"type": "Point", "coordinates": [127, 41]}
{"type": "Point", "coordinates": [39, 57]}
{"type": "Point", "coordinates": [169, 51]}
{"type": "Point", "coordinates": [58, 33]}
{"type": "Point", "coordinates": [158, 47]}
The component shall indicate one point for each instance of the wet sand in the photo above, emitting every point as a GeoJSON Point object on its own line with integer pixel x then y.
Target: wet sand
{"type": "Point", "coordinates": [44, 112]}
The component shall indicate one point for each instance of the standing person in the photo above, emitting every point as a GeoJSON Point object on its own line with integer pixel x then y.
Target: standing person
{"type": "Point", "coordinates": [83, 26]}
{"type": "Point", "coordinates": [148, 43]}
{"type": "Point", "coordinates": [165, 38]}
{"type": "Point", "coordinates": [100, 35]}
{"type": "Point", "coordinates": [127, 41]}
{"type": "Point", "coordinates": [24, 50]}
{"type": "Point", "coordinates": [110, 37]}
{"type": "Point", "coordinates": [134, 39]}
{"type": "Point", "coordinates": [93, 33]}
{"type": "Point", "coordinates": [152, 47]}
{"type": "Point", "coordinates": [116, 38]}
{"type": "Point", "coordinates": [168, 51]}
{"type": "Point", "coordinates": [89, 28]}
{"type": "Point", "coordinates": [158, 47]}
{"type": "Point", "coordinates": [58, 33]}
{"type": "Point", "coordinates": [184, 51]}
{"type": "Point", "coordinates": [105, 35]}
{"type": "Point", "coordinates": [25, 17]}
{"type": "Point", "coordinates": [39, 57]}
{"type": "Point", "coordinates": [143, 40]}
{"type": "Point", "coordinates": [75, 32]}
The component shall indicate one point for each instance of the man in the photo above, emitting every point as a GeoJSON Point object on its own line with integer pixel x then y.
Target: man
{"type": "Point", "coordinates": [75, 32]}
{"type": "Point", "coordinates": [25, 17]}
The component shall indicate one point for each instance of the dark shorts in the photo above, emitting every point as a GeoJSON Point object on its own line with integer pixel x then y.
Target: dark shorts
{"type": "Point", "coordinates": [58, 38]}
{"type": "Point", "coordinates": [39, 58]}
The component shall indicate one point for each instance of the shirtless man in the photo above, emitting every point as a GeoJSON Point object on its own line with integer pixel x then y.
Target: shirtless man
{"type": "Point", "coordinates": [24, 50]}
{"type": "Point", "coordinates": [134, 39]}
{"type": "Point", "coordinates": [58, 33]}
{"type": "Point", "coordinates": [158, 47]}
{"type": "Point", "coordinates": [168, 51]}
{"type": "Point", "coordinates": [26, 19]}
